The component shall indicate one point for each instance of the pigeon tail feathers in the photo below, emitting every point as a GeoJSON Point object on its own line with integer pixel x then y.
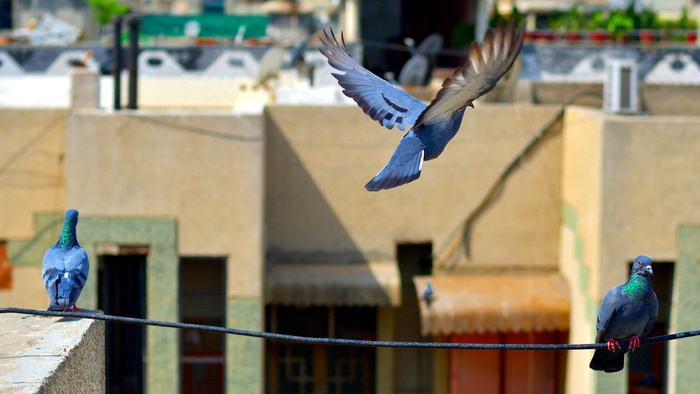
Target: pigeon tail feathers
{"type": "Point", "coordinates": [403, 167]}
{"type": "Point", "coordinates": [607, 361]}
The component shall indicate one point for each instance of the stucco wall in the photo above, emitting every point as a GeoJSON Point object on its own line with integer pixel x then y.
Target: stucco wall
{"type": "Point", "coordinates": [628, 183]}
{"type": "Point", "coordinates": [32, 177]}
{"type": "Point", "coordinates": [205, 170]}
{"type": "Point", "coordinates": [580, 240]}
{"type": "Point", "coordinates": [320, 157]}
{"type": "Point", "coordinates": [684, 354]}
{"type": "Point", "coordinates": [32, 180]}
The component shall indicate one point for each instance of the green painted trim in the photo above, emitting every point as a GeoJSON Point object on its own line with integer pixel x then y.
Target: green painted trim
{"type": "Point", "coordinates": [685, 314]}
{"type": "Point", "coordinates": [162, 262]}
{"type": "Point", "coordinates": [244, 355]}
{"type": "Point", "coordinates": [569, 215]}
{"type": "Point", "coordinates": [30, 252]}
{"type": "Point", "coordinates": [578, 248]}
{"type": "Point", "coordinates": [570, 220]}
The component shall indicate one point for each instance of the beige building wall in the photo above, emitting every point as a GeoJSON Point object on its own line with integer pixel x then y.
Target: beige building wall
{"type": "Point", "coordinates": [320, 157]}
{"type": "Point", "coordinates": [32, 176]}
{"type": "Point", "coordinates": [291, 182]}
{"type": "Point", "coordinates": [206, 171]}
{"type": "Point", "coordinates": [628, 183]}
{"type": "Point", "coordinates": [32, 180]}
{"type": "Point", "coordinates": [580, 239]}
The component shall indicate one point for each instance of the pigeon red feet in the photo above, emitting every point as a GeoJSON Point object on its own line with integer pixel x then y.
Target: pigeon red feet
{"type": "Point", "coordinates": [634, 343]}
{"type": "Point", "coordinates": [613, 345]}
{"type": "Point", "coordinates": [74, 308]}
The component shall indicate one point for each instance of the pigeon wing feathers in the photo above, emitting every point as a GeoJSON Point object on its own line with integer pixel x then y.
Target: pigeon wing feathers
{"type": "Point", "coordinates": [379, 99]}
{"type": "Point", "coordinates": [52, 268]}
{"type": "Point", "coordinates": [486, 65]}
{"type": "Point", "coordinates": [403, 167]}
{"type": "Point", "coordinates": [652, 315]}
{"type": "Point", "coordinates": [607, 310]}
{"type": "Point", "coordinates": [77, 267]}
{"type": "Point", "coordinates": [65, 274]}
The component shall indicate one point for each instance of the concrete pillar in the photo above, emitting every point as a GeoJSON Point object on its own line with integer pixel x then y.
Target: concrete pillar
{"type": "Point", "coordinates": [84, 89]}
{"type": "Point", "coordinates": [350, 22]}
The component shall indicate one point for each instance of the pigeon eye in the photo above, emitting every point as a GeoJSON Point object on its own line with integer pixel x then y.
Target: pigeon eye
{"type": "Point", "coordinates": [639, 263]}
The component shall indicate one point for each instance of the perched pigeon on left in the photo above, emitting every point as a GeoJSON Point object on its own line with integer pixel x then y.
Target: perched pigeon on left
{"type": "Point", "coordinates": [434, 125]}
{"type": "Point", "coordinates": [65, 268]}
{"type": "Point", "coordinates": [628, 312]}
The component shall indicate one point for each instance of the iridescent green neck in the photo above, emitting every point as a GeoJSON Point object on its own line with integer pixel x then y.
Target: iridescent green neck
{"type": "Point", "coordinates": [637, 287]}
{"type": "Point", "coordinates": [67, 239]}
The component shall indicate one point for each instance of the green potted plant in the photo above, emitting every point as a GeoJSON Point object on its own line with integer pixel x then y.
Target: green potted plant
{"type": "Point", "coordinates": [619, 23]}
{"type": "Point", "coordinates": [647, 22]}
{"type": "Point", "coordinates": [571, 22]}
{"type": "Point", "coordinates": [105, 10]}
{"type": "Point", "coordinates": [598, 24]}
{"type": "Point", "coordinates": [688, 24]}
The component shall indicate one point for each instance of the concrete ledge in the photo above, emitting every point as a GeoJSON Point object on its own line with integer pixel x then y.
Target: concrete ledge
{"type": "Point", "coordinates": [51, 354]}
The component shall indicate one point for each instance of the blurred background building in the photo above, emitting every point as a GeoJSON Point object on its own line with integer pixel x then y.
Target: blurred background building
{"type": "Point", "coordinates": [234, 194]}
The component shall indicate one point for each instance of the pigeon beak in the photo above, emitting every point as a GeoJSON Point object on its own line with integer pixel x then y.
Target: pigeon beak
{"type": "Point", "coordinates": [648, 268]}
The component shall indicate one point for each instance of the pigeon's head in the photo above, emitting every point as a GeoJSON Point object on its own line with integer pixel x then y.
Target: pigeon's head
{"type": "Point", "coordinates": [642, 265]}
{"type": "Point", "coordinates": [71, 215]}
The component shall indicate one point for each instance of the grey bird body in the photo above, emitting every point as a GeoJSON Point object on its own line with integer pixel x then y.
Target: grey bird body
{"type": "Point", "coordinates": [628, 312]}
{"type": "Point", "coordinates": [65, 267]}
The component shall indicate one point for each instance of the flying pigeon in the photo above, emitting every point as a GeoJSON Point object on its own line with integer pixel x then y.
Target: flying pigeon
{"type": "Point", "coordinates": [65, 268]}
{"type": "Point", "coordinates": [433, 125]}
{"type": "Point", "coordinates": [628, 312]}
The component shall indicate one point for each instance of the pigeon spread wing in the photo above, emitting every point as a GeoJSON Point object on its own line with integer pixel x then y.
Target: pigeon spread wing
{"type": "Point", "coordinates": [403, 167]}
{"type": "Point", "coordinates": [487, 63]}
{"type": "Point", "coordinates": [379, 99]}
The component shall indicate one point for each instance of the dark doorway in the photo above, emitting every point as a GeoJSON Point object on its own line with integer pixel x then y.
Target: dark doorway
{"type": "Point", "coordinates": [122, 292]}
{"type": "Point", "coordinates": [413, 368]}
{"type": "Point", "coordinates": [5, 14]}
{"type": "Point", "coordinates": [202, 301]}
{"type": "Point", "coordinates": [648, 365]}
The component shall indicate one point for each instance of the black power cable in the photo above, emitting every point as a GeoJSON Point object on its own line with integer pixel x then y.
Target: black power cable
{"type": "Point", "coordinates": [98, 315]}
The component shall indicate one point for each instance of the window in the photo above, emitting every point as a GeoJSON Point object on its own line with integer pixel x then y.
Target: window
{"type": "Point", "coordinates": [301, 368]}
{"type": "Point", "coordinates": [121, 282]}
{"type": "Point", "coordinates": [5, 267]}
{"type": "Point", "coordinates": [202, 301]}
{"type": "Point", "coordinates": [647, 365]}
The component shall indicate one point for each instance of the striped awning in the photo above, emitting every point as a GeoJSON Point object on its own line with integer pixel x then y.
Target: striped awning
{"type": "Point", "coordinates": [504, 302]}
{"type": "Point", "coordinates": [358, 284]}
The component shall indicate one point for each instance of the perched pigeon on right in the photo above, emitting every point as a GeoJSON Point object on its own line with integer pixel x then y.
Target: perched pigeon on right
{"type": "Point", "coordinates": [65, 267]}
{"type": "Point", "coordinates": [434, 125]}
{"type": "Point", "coordinates": [628, 312]}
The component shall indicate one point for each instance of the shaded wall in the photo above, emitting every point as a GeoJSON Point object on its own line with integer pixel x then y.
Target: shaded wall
{"type": "Point", "coordinates": [320, 157]}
